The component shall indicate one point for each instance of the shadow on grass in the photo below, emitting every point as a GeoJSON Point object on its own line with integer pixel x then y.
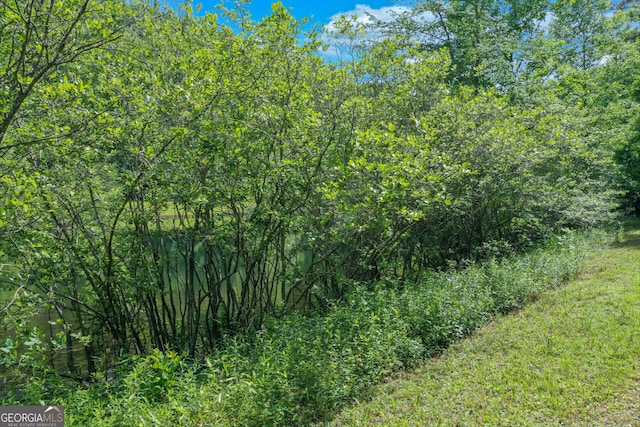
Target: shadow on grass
{"type": "Point", "coordinates": [631, 237]}
{"type": "Point", "coordinates": [633, 242]}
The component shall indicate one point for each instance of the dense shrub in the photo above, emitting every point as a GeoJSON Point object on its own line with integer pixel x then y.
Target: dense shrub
{"type": "Point", "coordinates": [195, 183]}
{"type": "Point", "coordinates": [302, 368]}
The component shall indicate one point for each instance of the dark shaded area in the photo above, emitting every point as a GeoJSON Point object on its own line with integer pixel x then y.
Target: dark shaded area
{"type": "Point", "coordinates": [631, 238]}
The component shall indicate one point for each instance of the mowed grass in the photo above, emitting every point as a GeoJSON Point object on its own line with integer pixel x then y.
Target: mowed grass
{"type": "Point", "coordinates": [572, 358]}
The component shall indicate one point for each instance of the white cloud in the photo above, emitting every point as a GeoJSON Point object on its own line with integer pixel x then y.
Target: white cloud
{"type": "Point", "coordinates": [543, 25]}
{"type": "Point", "coordinates": [361, 16]}
{"type": "Point", "coordinates": [363, 13]}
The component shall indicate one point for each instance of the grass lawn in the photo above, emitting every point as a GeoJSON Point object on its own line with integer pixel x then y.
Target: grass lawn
{"type": "Point", "coordinates": [572, 358]}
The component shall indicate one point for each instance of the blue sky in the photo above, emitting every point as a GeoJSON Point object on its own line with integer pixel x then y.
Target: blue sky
{"type": "Point", "coordinates": [322, 11]}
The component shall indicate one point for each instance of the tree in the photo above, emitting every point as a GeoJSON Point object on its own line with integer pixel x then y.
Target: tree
{"type": "Point", "coordinates": [37, 39]}
{"type": "Point", "coordinates": [488, 42]}
{"type": "Point", "coordinates": [580, 25]}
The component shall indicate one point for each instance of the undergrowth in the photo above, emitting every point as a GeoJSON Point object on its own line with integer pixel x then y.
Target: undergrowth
{"type": "Point", "coordinates": [570, 359]}
{"type": "Point", "coordinates": [299, 369]}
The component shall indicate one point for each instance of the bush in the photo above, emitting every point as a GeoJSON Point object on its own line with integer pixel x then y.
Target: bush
{"type": "Point", "coordinates": [300, 369]}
